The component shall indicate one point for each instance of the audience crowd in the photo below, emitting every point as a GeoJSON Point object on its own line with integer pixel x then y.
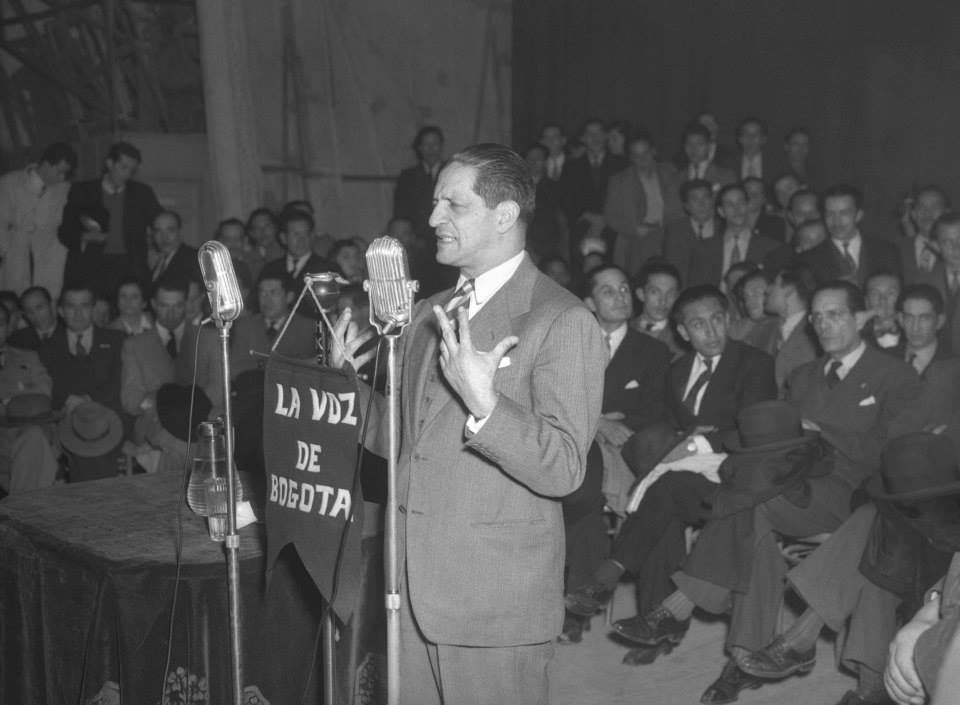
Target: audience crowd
{"type": "Point", "coordinates": [781, 404]}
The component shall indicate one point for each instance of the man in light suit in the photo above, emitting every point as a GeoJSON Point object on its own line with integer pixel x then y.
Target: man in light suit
{"type": "Point", "coordinates": [489, 439]}
{"type": "Point", "coordinates": [788, 298]}
{"type": "Point", "coordinates": [639, 200]}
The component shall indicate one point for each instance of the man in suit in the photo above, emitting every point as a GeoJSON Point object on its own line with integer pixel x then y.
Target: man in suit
{"type": "Point", "coordinates": [640, 199]}
{"type": "Point", "coordinates": [752, 138]}
{"type": "Point", "coordinates": [788, 298]}
{"type": "Point", "coordinates": [696, 146]}
{"type": "Point", "coordinates": [945, 276]}
{"type": "Point", "coordinates": [106, 222]}
{"type": "Point", "coordinates": [175, 259]}
{"type": "Point", "coordinates": [771, 226]}
{"type": "Point", "coordinates": [918, 252]}
{"type": "Point", "coordinates": [258, 331]}
{"type": "Point", "coordinates": [413, 201]}
{"type": "Point", "coordinates": [681, 236]}
{"type": "Point", "coordinates": [83, 360]}
{"type": "Point", "coordinates": [633, 392]}
{"type": "Point", "coordinates": [27, 457]}
{"type": "Point", "coordinates": [656, 287]}
{"type": "Point", "coordinates": [848, 254]}
{"type": "Point", "coordinates": [38, 310]}
{"type": "Point", "coordinates": [856, 398]}
{"type": "Point", "coordinates": [804, 206]}
{"type": "Point", "coordinates": [883, 330]}
{"type": "Point", "coordinates": [547, 234]}
{"type": "Point", "coordinates": [808, 235]}
{"type": "Point", "coordinates": [296, 232]}
{"type": "Point", "coordinates": [489, 440]}
{"type": "Point", "coordinates": [589, 176]}
{"type": "Point", "coordinates": [796, 158]}
{"type": "Point", "coordinates": [710, 259]}
{"type": "Point", "coordinates": [705, 389]}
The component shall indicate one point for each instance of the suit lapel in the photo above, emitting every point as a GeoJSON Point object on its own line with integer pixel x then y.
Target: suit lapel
{"type": "Point", "coordinates": [722, 377]}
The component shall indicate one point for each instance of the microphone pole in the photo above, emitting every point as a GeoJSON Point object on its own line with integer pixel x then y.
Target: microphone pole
{"type": "Point", "coordinates": [391, 308]}
{"type": "Point", "coordinates": [226, 304]}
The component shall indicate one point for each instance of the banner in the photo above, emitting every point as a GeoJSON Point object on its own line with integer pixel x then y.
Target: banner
{"type": "Point", "coordinates": [311, 426]}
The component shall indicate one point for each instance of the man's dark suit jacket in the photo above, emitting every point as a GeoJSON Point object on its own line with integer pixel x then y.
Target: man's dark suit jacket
{"type": "Point", "coordinates": [588, 185]}
{"type": "Point", "coordinates": [744, 376]}
{"type": "Point", "coordinates": [633, 383]}
{"type": "Point", "coordinates": [140, 207]}
{"type": "Point", "coordinates": [940, 395]}
{"type": "Point", "coordinates": [183, 265]}
{"type": "Point", "coordinates": [97, 374]}
{"type": "Point", "coordinates": [413, 198]}
{"type": "Point", "coordinates": [950, 333]}
{"type": "Point", "coordinates": [772, 226]}
{"type": "Point", "coordinates": [828, 264]}
{"type": "Point", "coordinates": [679, 241]}
{"type": "Point", "coordinates": [912, 272]}
{"type": "Point", "coordinates": [28, 339]}
{"type": "Point", "coordinates": [706, 257]}
{"type": "Point", "coordinates": [277, 269]}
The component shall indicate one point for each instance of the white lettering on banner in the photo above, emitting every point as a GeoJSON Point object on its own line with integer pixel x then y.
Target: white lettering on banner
{"type": "Point", "coordinates": [293, 411]}
{"type": "Point", "coordinates": [308, 456]}
{"type": "Point", "coordinates": [334, 408]}
{"type": "Point", "coordinates": [294, 495]}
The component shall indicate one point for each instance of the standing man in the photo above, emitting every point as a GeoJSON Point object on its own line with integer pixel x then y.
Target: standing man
{"type": "Point", "coordinates": [106, 223]}
{"type": "Point", "coordinates": [31, 205]}
{"type": "Point", "coordinates": [497, 416]}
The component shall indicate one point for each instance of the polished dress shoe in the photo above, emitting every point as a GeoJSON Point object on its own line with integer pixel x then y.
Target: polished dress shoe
{"type": "Point", "coordinates": [573, 628]}
{"type": "Point", "coordinates": [778, 660]}
{"type": "Point", "coordinates": [726, 689]}
{"type": "Point", "coordinates": [589, 599]}
{"type": "Point", "coordinates": [645, 655]}
{"type": "Point", "coordinates": [656, 627]}
{"type": "Point", "coordinates": [852, 697]}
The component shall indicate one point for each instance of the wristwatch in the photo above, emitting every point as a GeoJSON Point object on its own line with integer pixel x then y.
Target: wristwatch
{"type": "Point", "coordinates": [931, 596]}
{"type": "Point", "coordinates": [691, 446]}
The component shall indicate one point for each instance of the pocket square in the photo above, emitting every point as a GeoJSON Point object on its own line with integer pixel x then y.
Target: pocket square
{"type": "Point", "coordinates": [504, 362]}
{"type": "Point", "coordinates": [869, 401]}
{"type": "Point", "coordinates": [632, 384]}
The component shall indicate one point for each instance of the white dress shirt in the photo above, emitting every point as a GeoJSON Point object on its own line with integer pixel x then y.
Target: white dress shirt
{"type": "Point", "coordinates": [847, 361]}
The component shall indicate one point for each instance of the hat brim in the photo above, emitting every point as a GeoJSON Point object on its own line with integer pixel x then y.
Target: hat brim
{"type": "Point", "coordinates": [732, 443]}
{"type": "Point", "coordinates": [91, 449]}
{"type": "Point", "coordinates": [874, 490]}
{"type": "Point", "coordinates": [46, 417]}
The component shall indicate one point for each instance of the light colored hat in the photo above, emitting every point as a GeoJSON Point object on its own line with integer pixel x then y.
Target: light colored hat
{"type": "Point", "coordinates": [91, 430]}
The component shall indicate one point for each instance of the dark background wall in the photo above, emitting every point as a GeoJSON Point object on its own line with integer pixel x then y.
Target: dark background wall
{"type": "Point", "coordinates": [877, 81]}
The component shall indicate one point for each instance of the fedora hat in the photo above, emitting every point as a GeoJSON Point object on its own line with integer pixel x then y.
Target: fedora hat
{"type": "Point", "coordinates": [91, 430]}
{"type": "Point", "coordinates": [767, 426]}
{"type": "Point", "coordinates": [914, 467]}
{"type": "Point", "coordinates": [645, 449]}
{"type": "Point", "coordinates": [175, 412]}
{"type": "Point", "coordinates": [25, 409]}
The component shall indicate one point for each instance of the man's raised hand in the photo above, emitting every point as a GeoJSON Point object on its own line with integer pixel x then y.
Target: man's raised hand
{"type": "Point", "coordinates": [345, 331]}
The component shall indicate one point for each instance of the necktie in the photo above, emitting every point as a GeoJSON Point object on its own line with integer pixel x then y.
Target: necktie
{"type": "Point", "coordinates": [272, 331]}
{"type": "Point", "coordinates": [608, 344]}
{"type": "Point", "coordinates": [928, 256]}
{"type": "Point", "coordinates": [79, 349]}
{"type": "Point", "coordinates": [912, 361]}
{"type": "Point", "coordinates": [648, 326]}
{"type": "Point", "coordinates": [161, 267]}
{"type": "Point", "coordinates": [690, 401]}
{"type": "Point", "coordinates": [172, 345]}
{"type": "Point", "coordinates": [833, 376]}
{"type": "Point", "coordinates": [699, 231]}
{"type": "Point", "coordinates": [736, 255]}
{"type": "Point", "coordinates": [848, 258]}
{"type": "Point", "coordinates": [460, 297]}
{"type": "Point", "coordinates": [953, 282]}
{"type": "Point", "coordinates": [291, 265]}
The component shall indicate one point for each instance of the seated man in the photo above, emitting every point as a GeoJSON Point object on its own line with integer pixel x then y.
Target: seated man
{"type": "Point", "coordinates": [27, 460]}
{"type": "Point", "coordinates": [657, 285]}
{"type": "Point", "coordinates": [761, 221]}
{"type": "Point", "coordinates": [857, 398]}
{"type": "Point", "coordinates": [705, 390]}
{"type": "Point", "coordinates": [809, 234]}
{"type": "Point", "coordinates": [38, 310]}
{"type": "Point", "coordinates": [803, 206]}
{"type": "Point", "coordinates": [633, 398]}
{"type": "Point", "coordinates": [174, 258]}
{"type": "Point", "coordinates": [701, 223]}
{"type": "Point", "coordinates": [883, 331]}
{"type": "Point", "coordinates": [83, 360]}
{"type": "Point", "coordinates": [788, 298]}
{"type": "Point", "coordinates": [296, 232]}
{"type": "Point", "coordinates": [918, 253]}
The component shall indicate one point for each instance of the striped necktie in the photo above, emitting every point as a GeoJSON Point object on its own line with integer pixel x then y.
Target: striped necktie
{"type": "Point", "coordinates": [460, 297]}
{"type": "Point", "coordinates": [690, 401]}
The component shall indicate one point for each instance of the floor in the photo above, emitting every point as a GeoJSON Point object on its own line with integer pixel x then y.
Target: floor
{"type": "Point", "coordinates": [591, 672]}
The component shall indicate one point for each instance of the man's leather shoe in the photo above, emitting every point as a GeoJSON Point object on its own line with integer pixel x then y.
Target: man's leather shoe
{"type": "Point", "coordinates": [852, 697]}
{"type": "Point", "coordinates": [656, 627]}
{"type": "Point", "coordinates": [645, 655]}
{"type": "Point", "coordinates": [778, 660]}
{"type": "Point", "coordinates": [726, 689]}
{"type": "Point", "coordinates": [573, 628]}
{"type": "Point", "coordinates": [589, 599]}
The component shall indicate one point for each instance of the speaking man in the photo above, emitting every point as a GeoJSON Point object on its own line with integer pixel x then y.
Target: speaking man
{"type": "Point", "coordinates": [499, 406]}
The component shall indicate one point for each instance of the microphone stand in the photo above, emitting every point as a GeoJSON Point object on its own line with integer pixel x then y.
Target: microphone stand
{"type": "Point", "coordinates": [232, 539]}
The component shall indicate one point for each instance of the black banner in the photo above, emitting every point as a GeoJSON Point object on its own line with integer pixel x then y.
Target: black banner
{"type": "Point", "coordinates": [311, 425]}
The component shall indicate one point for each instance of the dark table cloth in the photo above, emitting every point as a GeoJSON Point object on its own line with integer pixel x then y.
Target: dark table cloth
{"type": "Point", "coordinates": [87, 575]}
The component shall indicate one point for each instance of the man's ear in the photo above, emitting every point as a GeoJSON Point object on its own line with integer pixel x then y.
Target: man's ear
{"type": "Point", "coordinates": [941, 320]}
{"type": "Point", "coordinates": [682, 330]}
{"type": "Point", "coordinates": [508, 212]}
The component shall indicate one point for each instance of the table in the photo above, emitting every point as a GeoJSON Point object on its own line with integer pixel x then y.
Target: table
{"type": "Point", "coordinates": [87, 573]}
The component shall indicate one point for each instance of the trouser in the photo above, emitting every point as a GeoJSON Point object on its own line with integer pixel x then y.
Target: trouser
{"type": "Point", "coordinates": [830, 582]}
{"type": "Point", "coordinates": [755, 614]}
{"type": "Point", "coordinates": [448, 674]}
{"type": "Point", "coordinates": [584, 524]}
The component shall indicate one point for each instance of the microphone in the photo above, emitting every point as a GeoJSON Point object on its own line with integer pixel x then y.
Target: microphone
{"type": "Point", "coordinates": [390, 287]}
{"type": "Point", "coordinates": [216, 266]}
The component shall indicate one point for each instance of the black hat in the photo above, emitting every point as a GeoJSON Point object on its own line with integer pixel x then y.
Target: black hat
{"type": "Point", "coordinates": [174, 412]}
{"type": "Point", "coordinates": [767, 426]}
{"type": "Point", "coordinates": [914, 467]}
{"type": "Point", "coordinates": [645, 449]}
